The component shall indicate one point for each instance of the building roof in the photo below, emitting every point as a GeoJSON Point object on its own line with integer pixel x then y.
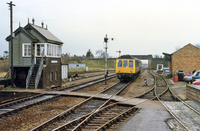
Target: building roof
{"type": "Point", "coordinates": [43, 32]}
{"type": "Point", "coordinates": [184, 47]}
{"type": "Point", "coordinates": [29, 35]}
{"type": "Point", "coordinates": [167, 54]}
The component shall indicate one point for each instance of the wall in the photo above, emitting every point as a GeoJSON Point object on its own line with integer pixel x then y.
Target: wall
{"type": "Point", "coordinates": [193, 92]}
{"type": "Point", "coordinates": [18, 60]}
{"type": "Point", "coordinates": [75, 66]}
{"type": "Point", "coordinates": [186, 59]}
{"type": "Point", "coordinates": [51, 67]}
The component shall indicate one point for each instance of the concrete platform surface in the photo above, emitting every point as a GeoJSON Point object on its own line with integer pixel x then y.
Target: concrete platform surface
{"type": "Point", "coordinates": [188, 117]}
{"type": "Point", "coordinates": [147, 120]}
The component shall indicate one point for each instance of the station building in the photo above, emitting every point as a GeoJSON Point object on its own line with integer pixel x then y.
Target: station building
{"type": "Point", "coordinates": [186, 59]}
{"type": "Point", "coordinates": [36, 57]}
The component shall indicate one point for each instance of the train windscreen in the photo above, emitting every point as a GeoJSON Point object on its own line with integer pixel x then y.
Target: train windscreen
{"type": "Point", "coordinates": [131, 63]}
{"type": "Point", "coordinates": [119, 63]}
{"type": "Point", "coordinates": [125, 63]}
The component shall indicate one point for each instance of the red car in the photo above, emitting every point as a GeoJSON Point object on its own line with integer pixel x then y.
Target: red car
{"type": "Point", "coordinates": [196, 82]}
{"type": "Point", "coordinates": [188, 74]}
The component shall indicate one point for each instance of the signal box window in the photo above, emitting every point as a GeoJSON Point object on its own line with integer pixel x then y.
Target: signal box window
{"type": "Point", "coordinates": [130, 63]}
{"type": "Point", "coordinates": [119, 63]}
{"type": "Point", "coordinates": [26, 48]}
{"type": "Point", "coordinates": [125, 63]}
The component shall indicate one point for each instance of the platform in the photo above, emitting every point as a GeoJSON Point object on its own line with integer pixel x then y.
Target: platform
{"type": "Point", "coordinates": [193, 92]}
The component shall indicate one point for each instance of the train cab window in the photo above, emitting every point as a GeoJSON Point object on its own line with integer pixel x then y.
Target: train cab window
{"type": "Point", "coordinates": [125, 63]}
{"type": "Point", "coordinates": [119, 63]}
{"type": "Point", "coordinates": [130, 63]}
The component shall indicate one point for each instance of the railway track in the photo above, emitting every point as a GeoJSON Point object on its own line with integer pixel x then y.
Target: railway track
{"type": "Point", "coordinates": [86, 84]}
{"type": "Point", "coordinates": [108, 117]}
{"type": "Point", "coordinates": [13, 97]}
{"type": "Point", "coordinates": [79, 112]}
{"type": "Point", "coordinates": [15, 106]}
{"type": "Point", "coordinates": [160, 88]}
{"type": "Point", "coordinates": [11, 106]}
{"type": "Point", "coordinates": [185, 117]}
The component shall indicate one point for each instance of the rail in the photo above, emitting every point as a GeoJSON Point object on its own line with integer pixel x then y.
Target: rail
{"type": "Point", "coordinates": [177, 118]}
{"type": "Point", "coordinates": [30, 72]}
{"type": "Point", "coordinates": [72, 109]}
{"type": "Point", "coordinates": [92, 114]}
{"type": "Point", "coordinates": [39, 72]}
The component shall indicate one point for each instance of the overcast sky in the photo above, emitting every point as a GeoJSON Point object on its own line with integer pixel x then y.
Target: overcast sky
{"type": "Point", "coordinates": [138, 26]}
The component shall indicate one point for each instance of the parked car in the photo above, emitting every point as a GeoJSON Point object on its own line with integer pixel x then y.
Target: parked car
{"type": "Point", "coordinates": [193, 77]}
{"type": "Point", "coordinates": [187, 78]}
{"type": "Point", "coordinates": [196, 75]}
{"type": "Point", "coordinates": [188, 74]}
{"type": "Point", "coordinates": [196, 82]}
{"type": "Point", "coordinates": [165, 70]}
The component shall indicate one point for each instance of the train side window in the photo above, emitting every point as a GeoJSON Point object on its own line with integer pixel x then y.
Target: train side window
{"type": "Point", "coordinates": [130, 63]}
{"type": "Point", "coordinates": [119, 63]}
{"type": "Point", "coordinates": [125, 63]}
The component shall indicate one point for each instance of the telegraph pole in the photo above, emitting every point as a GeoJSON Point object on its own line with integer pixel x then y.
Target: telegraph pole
{"type": "Point", "coordinates": [11, 40]}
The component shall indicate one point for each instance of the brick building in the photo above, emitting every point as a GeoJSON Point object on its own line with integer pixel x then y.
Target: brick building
{"type": "Point", "coordinates": [186, 59]}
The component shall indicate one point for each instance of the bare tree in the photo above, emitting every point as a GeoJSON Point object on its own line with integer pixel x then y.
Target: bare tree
{"type": "Point", "coordinates": [101, 54]}
{"type": "Point", "coordinates": [197, 45]}
{"type": "Point", "coordinates": [5, 54]}
{"type": "Point", "coordinates": [65, 58]}
{"type": "Point", "coordinates": [156, 56]}
{"type": "Point", "coordinates": [177, 48]}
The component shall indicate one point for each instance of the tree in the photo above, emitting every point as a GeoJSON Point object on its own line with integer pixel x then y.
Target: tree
{"type": "Point", "coordinates": [101, 54]}
{"type": "Point", "coordinates": [177, 48]}
{"type": "Point", "coordinates": [5, 54]}
{"type": "Point", "coordinates": [89, 54]}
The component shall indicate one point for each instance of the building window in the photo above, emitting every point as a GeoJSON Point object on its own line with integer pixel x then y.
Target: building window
{"type": "Point", "coordinates": [56, 76]}
{"type": "Point", "coordinates": [26, 50]}
{"type": "Point", "coordinates": [53, 50]}
{"type": "Point", "coordinates": [51, 76]}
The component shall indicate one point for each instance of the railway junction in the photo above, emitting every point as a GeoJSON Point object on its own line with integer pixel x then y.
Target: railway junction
{"type": "Point", "coordinates": [88, 104]}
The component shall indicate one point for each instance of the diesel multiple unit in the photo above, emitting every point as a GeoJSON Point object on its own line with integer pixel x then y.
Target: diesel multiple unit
{"type": "Point", "coordinates": [127, 67]}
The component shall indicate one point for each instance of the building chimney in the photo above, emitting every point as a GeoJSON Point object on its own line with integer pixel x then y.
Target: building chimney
{"type": "Point", "coordinates": [46, 27]}
{"type": "Point", "coordinates": [42, 24]}
{"type": "Point", "coordinates": [33, 20]}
